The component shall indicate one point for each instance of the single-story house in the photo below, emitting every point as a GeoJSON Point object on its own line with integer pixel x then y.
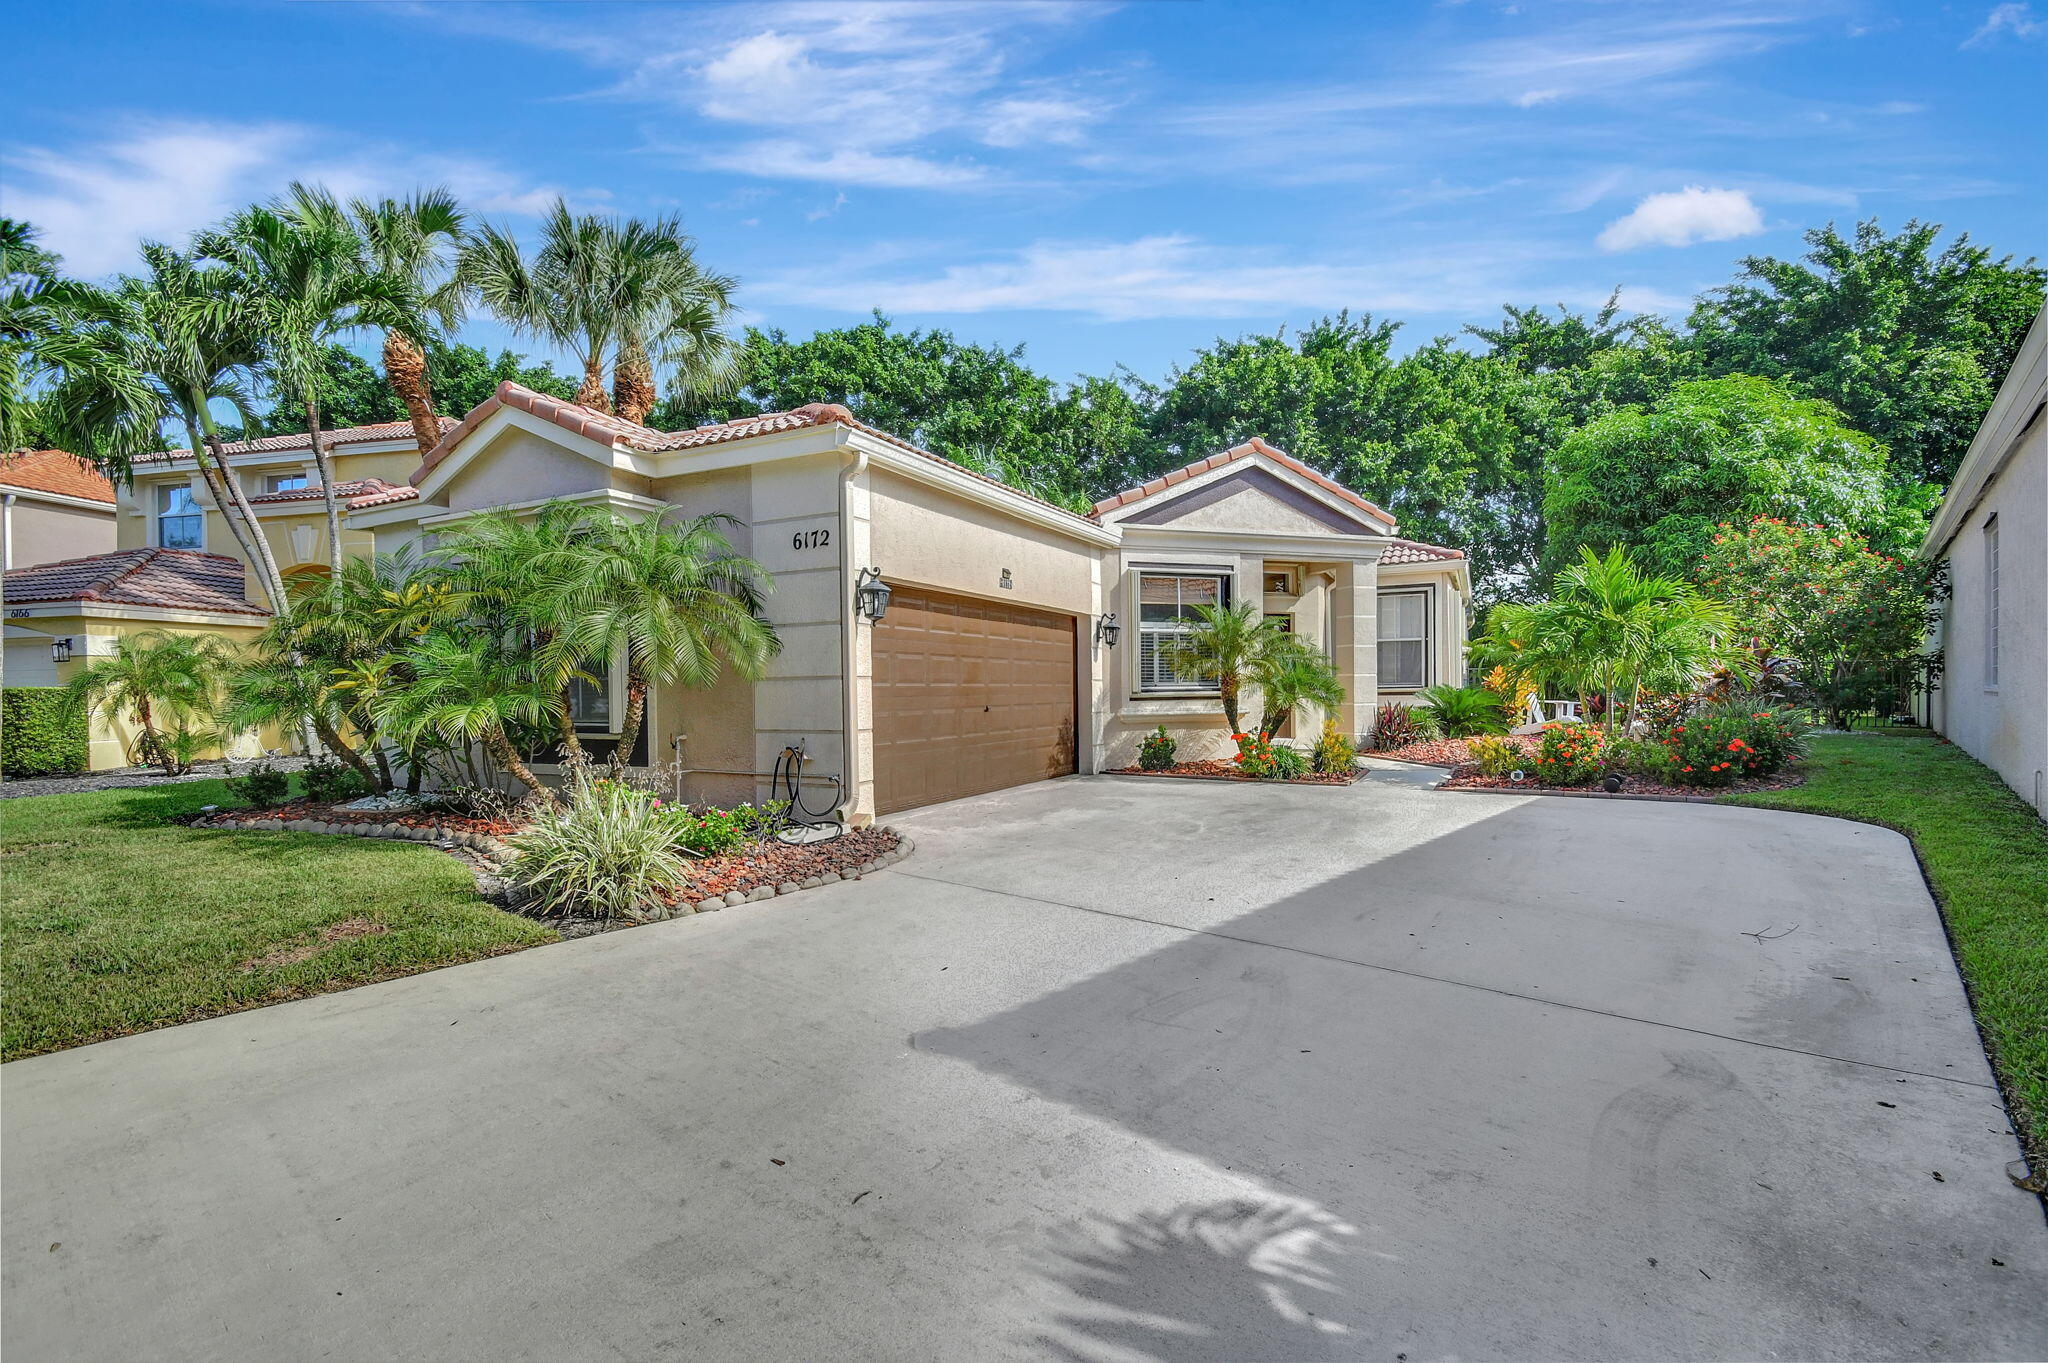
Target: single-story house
{"type": "Point", "coordinates": [1992, 530]}
{"type": "Point", "coordinates": [52, 505]}
{"type": "Point", "coordinates": [1019, 641]}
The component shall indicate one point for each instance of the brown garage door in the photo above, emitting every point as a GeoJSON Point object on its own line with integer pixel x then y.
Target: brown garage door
{"type": "Point", "coordinates": [970, 696]}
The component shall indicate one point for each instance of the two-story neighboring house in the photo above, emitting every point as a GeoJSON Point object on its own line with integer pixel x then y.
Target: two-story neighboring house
{"type": "Point", "coordinates": [55, 506]}
{"type": "Point", "coordinates": [165, 559]}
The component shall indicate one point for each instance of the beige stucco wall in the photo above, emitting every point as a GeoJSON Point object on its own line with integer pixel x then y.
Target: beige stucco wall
{"type": "Point", "coordinates": [2004, 726]}
{"type": "Point", "coordinates": [35, 531]}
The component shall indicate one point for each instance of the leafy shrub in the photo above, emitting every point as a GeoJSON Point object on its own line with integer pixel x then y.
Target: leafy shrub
{"type": "Point", "coordinates": [1513, 691]}
{"type": "Point", "coordinates": [1571, 754]}
{"type": "Point", "coordinates": [609, 853]}
{"type": "Point", "coordinates": [1255, 756]}
{"type": "Point", "coordinates": [1639, 757]}
{"type": "Point", "coordinates": [174, 749]}
{"type": "Point", "coordinates": [1464, 710]}
{"type": "Point", "coordinates": [1155, 753]}
{"type": "Point", "coordinates": [1334, 753]}
{"type": "Point", "coordinates": [1289, 763]}
{"type": "Point", "coordinates": [261, 786]}
{"type": "Point", "coordinates": [712, 832]}
{"type": "Point", "coordinates": [1393, 726]}
{"type": "Point", "coordinates": [1720, 746]}
{"type": "Point", "coordinates": [1496, 756]}
{"type": "Point", "coordinates": [41, 734]}
{"type": "Point", "coordinates": [1428, 728]}
{"type": "Point", "coordinates": [329, 782]}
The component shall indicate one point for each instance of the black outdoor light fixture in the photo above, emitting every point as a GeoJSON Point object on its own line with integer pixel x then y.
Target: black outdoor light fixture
{"type": "Point", "coordinates": [1106, 630]}
{"type": "Point", "coordinates": [60, 650]}
{"type": "Point", "coordinates": [871, 594]}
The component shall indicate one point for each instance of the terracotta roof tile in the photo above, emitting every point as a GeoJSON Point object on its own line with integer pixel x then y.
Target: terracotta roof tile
{"type": "Point", "coordinates": [1256, 445]}
{"type": "Point", "coordinates": [353, 493]}
{"type": "Point", "coordinates": [341, 435]}
{"type": "Point", "coordinates": [178, 579]}
{"type": "Point", "coordinates": [588, 421]}
{"type": "Point", "coordinates": [55, 471]}
{"type": "Point", "coordinates": [1415, 551]}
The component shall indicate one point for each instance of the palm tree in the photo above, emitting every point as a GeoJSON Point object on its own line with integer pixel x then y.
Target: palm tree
{"type": "Point", "coordinates": [303, 270]}
{"type": "Point", "coordinates": [466, 689]}
{"type": "Point", "coordinates": [1226, 642]}
{"type": "Point", "coordinates": [155, 348]}
{"type": "Point", "coordinates": [282, 686]}
{"type": "Point", "coordinates": [624, 297]}
{"type": "Point", "coordinates": [1611, 630]}
{"type": "Point", "coordinates": [157, 677]}
{"type": "Point", "coordinates": [418, 242]}
{"type": "Point", "coordinates": [673, 600]}
{"type": "Point", "coordinates": [32, 299]}
{"type": "Point", "coordinates": [1292, 672]}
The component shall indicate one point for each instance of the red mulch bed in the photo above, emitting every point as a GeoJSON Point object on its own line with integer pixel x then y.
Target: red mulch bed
{"type": "Point", "coordinates": [1468, 777]}
{"type": "Point", "coordinates": [1222, 770]}
{"type": "Point", "coordinates": [779, 863]}
{"type": "Point", "coordinates": [409, 818]}
{"type": "Point", "coordinates": [1450, 752]}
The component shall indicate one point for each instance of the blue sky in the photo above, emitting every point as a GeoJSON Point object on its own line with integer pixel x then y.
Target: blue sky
{"type": "Point", "coordinates": [1106, 183]}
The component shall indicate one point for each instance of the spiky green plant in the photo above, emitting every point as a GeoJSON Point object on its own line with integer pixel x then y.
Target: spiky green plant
{"type": "Point", "coordinates": [609, 853]}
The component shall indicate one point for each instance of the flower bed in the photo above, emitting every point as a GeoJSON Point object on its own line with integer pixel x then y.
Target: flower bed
{"type": "Point", "coordinates": [1469, 777]}
{"type": "Point", "coordinates": [1225, 770]}
{"type": "Point", "coordinates": [1451, 752]}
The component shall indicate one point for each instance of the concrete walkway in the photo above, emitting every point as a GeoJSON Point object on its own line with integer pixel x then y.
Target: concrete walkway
{"type": "Point", "coordinates": [1111, 1069]}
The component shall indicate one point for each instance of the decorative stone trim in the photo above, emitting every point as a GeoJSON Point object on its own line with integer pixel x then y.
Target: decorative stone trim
{"type": "Point", "coordinates": [485, 843]}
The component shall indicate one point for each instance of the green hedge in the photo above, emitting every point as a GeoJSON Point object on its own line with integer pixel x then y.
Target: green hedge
{"type": "Point", "coordinates": [39, 734]}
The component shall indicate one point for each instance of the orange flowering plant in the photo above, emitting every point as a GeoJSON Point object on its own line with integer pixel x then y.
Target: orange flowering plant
{"type": "Point", "coordinates": [1719, 746]}
{"type": "Point", "coordinates": [1570, 754]}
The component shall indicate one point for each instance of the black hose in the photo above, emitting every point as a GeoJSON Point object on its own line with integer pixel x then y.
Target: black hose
{"type": "Point", "coordinates": [789, 775]}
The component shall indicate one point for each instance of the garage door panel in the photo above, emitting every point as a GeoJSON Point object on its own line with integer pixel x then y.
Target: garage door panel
{"type": "Point", "coordinates": [969, 697]}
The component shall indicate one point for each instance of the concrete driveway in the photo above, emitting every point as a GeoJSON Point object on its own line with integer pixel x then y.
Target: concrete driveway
{"type": "Point", "coordinates": [1110, 1069]}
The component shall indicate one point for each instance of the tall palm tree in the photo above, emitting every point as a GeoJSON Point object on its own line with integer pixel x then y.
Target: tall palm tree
{"type": "Point", "coordinates": [1612, 630]}
{"type": "Point", "coordinates": [307, 283]}
{"type": "Point", "coordinates": [417, 241]}
{"type": "Point", "coordinates": [673, 600]}
{"type": "Point", "coordinates": [154, 348]}
{"type": "Point", "coordinates": [1226, 642]}
{"type": "Point", "coordinates": [158, 678]}
{"type": "Point", "coordinates": [33, 296]}
{"type": "Point", "coordinates": [624, 297]}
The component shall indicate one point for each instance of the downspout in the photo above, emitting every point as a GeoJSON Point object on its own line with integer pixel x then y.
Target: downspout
{"type": "Point", "coordinates": [849, 627]}
{"type": "Point", "coordinates": [7, 533]}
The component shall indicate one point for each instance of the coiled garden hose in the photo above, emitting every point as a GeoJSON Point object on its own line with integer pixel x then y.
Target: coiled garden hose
{"type": "Point", "coordinates": [798, 822]}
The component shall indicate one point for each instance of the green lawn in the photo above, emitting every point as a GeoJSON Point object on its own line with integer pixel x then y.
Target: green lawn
{"type": "Point", "coordinates": [116, 919]}
{"type": "Point", "coordinates": [1987, 856]}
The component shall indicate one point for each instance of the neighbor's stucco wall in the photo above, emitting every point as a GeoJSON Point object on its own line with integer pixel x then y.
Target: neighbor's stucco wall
{"type": "Point", "coordinates": [2003, 726]}
{"type": "Point", "coordinates": [34, 531]}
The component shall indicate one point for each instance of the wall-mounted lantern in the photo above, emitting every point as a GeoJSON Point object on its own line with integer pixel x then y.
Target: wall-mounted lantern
{"type": "Point", "coordinates": [871, 594]}
{"type": "Point", "coordinates": [1107, 629]}
{"type": "Point", "coordinates": [60, 650]}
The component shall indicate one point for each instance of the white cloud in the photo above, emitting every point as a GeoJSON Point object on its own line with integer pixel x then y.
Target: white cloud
{"type": "Point", "coordinates": [791, 160]}
{"type": "Point", "coordinates": [2015, 19]}
{"type": "Point", "coordinates": [162, 180]}
{"type": "Point", "coordinates": [1683, 217]}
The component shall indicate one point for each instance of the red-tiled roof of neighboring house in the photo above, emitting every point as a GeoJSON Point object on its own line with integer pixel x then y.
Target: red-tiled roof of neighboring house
{"type": "Point", "coordinates": [176, 579]}
{"type": "Point", "coordinates": [611, 430]}
{"type": "Point", "coordinates": [1415, 551]}
{"type": "Point", "coordinates": [55, 471]}
{"type": "Point", "coordinates": [280, 444]}
{"type": "Point", "coordinates": [1256, 445]}
{"type": "Point", "coordinates": [356, 492]}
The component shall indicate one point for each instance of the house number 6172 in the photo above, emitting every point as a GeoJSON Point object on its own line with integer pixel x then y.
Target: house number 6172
{"type": "Point", "coordinates": [810, 539]}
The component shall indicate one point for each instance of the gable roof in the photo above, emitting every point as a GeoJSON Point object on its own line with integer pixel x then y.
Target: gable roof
{"type": "Point", "coordinates": [607, 429]}
{"type": "Point", "coordinates": [281, 444]}
{"type": "Point", "coordinates": [181, 579]}
{"type": "Point", "coordinates": [1256, 445]}
{"type": "Point", "coordinates": [55, 471]}
{"type": "Point", "coordinates": [356, 492]}
{"type": "Point", "coordinates": [1415, 551]}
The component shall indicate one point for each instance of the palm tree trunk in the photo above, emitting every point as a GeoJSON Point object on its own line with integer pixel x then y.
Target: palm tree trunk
{"type": "Point", "coordinates": [405, 369]}
{"type": "Point", "coordinates": [337, 745]}
{"type": "Point", "coordinates": [1227, 689]}
{"type": "Point", "coordinates": [636, 710]}
{"type": "Point", "coordinates": [633, 391]}
{"type": "Point", "coordinates": [565, 728]}
{"type": "Point", "coordinates": [323, 461]}
{"type": "Point", "coordinates": [592, 394]}
{"type": "Point", "coordinates": [153, 744]}
{"type": "Point", "coordinates": [216, 487]}
{"type": "Point", "coordinates": [263, 561]}
{"type": "Point", "coordinates": [508, 758]}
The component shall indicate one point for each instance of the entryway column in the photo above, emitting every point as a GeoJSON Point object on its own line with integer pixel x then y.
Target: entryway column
{"type": "Point", "coordinates": [1354, 604]}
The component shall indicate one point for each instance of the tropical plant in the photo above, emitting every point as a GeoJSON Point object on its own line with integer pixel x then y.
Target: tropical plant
{"type": "Point", "coordinates": [330, 782]}
{"type": "Point", "coordinates": [1291, 672]}
{"type": "Point", "coordinates": [471, 687]}
{"type": "Point", "coordinates": [277, 685]}
{"type": "Point", "coordinates": [261, 786]}
{"type": "Point", "coordinates": [714, 832]}
{"type": "Point", "coordinates": [1393, 726]}
{"type": "Point", "coordinates": [1612, 631]}
{"type": "Point", "coordinates": [622, 297]}
{"type": "Point", "coordinates": [415, 242]}
{"type": "Point", "coordinates": [164, 681]}
{"type": "Point", "coordinates": [1723, 744]}
{"type": "Point", "coordinates": [1155, 751]}
{"type": "Point", "coordinates": [1496, 756]}
{"type": "Point", "coordinates": [1334, 753]}
{"type": "Point", "coordinates": [155, 349]}
{"type": "Point", "coordinates": [1428, 728]}
{"type": "Point", "coordinates": [33, 297]}
{"type": "Point", "coordinates": [1289, 762]}
{"type": "Point", "coordinates": [1255, 756]}
{"type": "Point", "coordinates": [301, 269]}
{"type": "Point", "coordinates": [1571, 754]}
{"type": "Point", "coordinates": [1514, 692]}
{"type": "Point", "coordinates": [609, 853]}
{"type": "Point", "coordinates": [1226, 643]}
{"type": "Point", "coordinates": [1463, 711]}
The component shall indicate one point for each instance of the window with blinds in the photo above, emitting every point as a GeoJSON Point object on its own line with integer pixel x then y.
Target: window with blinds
{"type": "Point", "coordinates": [1404, 640]}
{"type": "Point", "coordinates": [1166, 611]}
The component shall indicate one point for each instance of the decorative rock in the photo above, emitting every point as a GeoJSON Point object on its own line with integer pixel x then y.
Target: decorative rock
{"type": "Point", "coordinates": [734, 898]}
{"type": "Point", "coordinates": [760, 893]}
{"type": "Point", "coordinates": [710, 905]}
{"type": "Point", "coordinates": [786, 887]}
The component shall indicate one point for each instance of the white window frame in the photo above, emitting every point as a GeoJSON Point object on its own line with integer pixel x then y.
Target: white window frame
{"type": "Point", "coordinates": [164, 493]}
{"type": "Point", "coordinates": [1139, 691]}
{"type": "Point", "coordinates": [1427, 640]}
{"type": "Point", "coordinates": [1991, 603]}
{"type": "Point", "coordinates": [275, 482]}
{"type": "Point", "coordinates": [613, 679]}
